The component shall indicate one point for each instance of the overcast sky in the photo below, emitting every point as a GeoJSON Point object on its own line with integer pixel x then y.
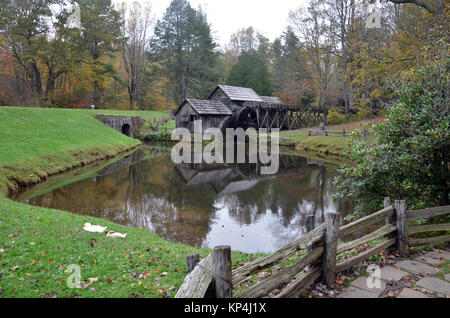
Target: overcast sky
{"type": "Point", "coordinates": [227, 16]}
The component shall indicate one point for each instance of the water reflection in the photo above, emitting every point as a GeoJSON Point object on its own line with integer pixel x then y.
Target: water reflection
{"type": "Point", "coordinates": [205, 205]}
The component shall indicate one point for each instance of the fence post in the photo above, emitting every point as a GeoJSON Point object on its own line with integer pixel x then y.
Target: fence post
{"type": "Point", "coordinates": [343, 132]}
{"type": "Point", "coordinates": [222, 271]}
{"type": "Point", "coordinates": [309, 132]}
{"type": "Point", "coordinates": [402, 228]}
{"type": "Point", "coordinates": [192, 261]}
{"type": "Point", "coordinates": [331, 242]}
{"type": "Point", "coordinates": [387, 203]}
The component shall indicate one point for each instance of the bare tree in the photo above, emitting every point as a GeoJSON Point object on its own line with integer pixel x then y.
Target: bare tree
{"type": "Point", "coordinates": [314, 31]}
{"type": "Point", "coordinates": [138, 22]}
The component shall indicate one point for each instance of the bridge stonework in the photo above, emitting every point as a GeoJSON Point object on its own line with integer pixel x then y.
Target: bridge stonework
{"type": "Point", "coordinates": [127, 125]}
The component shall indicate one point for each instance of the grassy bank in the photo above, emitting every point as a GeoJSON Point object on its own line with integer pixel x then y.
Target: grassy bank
{"type": "Point", "coordinates": [328, 145]}
{"type": "Point", "coordinates": [36, 143]}
{"type": "Point", "coordinates": [37, 245]}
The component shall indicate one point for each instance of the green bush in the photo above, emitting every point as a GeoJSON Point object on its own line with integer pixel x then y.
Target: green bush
{"type": "Point", "coordinates": [409, 160]}
{"type": "Point", "coordinates": [364, 113]}
{"type": "Point", "coordinates": [335, 117]}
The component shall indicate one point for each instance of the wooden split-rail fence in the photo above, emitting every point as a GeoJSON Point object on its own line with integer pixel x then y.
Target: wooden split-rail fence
{"type": "Point", "coordinates": [213, 276]}
{"type": "Point", "coordinates": [155, 124]}
{"type": "Point", "coordinates": [337, 133]}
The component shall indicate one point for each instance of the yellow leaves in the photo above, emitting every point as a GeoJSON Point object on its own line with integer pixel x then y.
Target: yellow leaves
{"type": "Point", "coordinates": [340, 282]}
{"type": "Point", "coordinates": [126, 255]}
{"type": "Point", "coordinates": [28, 274]}
{"type": "Point", "coordinates": [160, 291]}
{"type": "Point", "coordinates": [139, 283]}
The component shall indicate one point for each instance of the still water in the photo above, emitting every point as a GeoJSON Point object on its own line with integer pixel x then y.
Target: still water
{"type": "Point", "coordinates": [202, 205]}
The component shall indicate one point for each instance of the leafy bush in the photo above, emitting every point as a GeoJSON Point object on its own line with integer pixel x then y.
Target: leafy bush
{"type": "Point", "coordinates": [410, 157]}
{"type": "Point", "coordinates": [335, 117]}
{"type": "Point", "coordinates": [364, 113]}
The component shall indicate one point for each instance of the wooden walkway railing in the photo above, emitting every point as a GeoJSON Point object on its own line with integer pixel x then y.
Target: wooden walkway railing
{"type": "Point", "coordinates": [213, 277]}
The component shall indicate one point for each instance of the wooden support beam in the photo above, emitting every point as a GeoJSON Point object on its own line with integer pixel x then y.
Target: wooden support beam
{"type": "Point", "coordinates": [222, 271]}
{"type": "Point", "coordinates": [294, 288]}
{"type": "Point", "coordinates": [429, 240]}
{"type": "Point", "coordinates": [385, 230]}
{"type": "Point", "coordinates": [402, 228]}
{"type": "Point", "coordinates": [197, 282]}
{"type": "Point", "coordinates": [192, 261]}
{"type": "Point", "coordinates": [364, 255]}
{"type": "Point", "coordinates": [329, 256]}
{"type": "Point", "coordinates": [280, 278]}
{"type": "Point", "coordinates": [240, 274]}
{"type": "Point", "coordinates": [428, 228]}
{"type": "Point", "coordinates": [387, 203]}
{"type": "Point", "coordinates": [363, 222]}
{"type": "Point", "coordinates": [427, 213]}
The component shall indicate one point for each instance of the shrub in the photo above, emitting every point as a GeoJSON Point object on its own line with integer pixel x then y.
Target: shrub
{"type": "Point", "coordinates": [364, 113]}
{"type": "Point", "coordinates": [410, 156]}
{"type": "Point", "coordinates": [335, 117]}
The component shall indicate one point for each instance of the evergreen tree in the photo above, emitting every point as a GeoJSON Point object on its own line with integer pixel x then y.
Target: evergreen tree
{"type": "Point", "coordinates": [251, 71]}
{"type": "Point", "coordinates": [185, 49]}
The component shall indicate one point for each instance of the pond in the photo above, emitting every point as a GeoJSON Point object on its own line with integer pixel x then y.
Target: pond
{"type": "Point", "coordinates": [198, 204]}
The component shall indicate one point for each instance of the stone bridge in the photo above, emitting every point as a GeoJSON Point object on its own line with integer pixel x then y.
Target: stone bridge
{"type": "Point", "coordinates": [127, 125]}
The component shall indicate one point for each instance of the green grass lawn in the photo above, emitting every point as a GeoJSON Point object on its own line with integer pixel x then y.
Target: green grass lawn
{"type": "Point", "coordinates": [146, 114]}
{"type": "Point", "coordinates": [324, 144]}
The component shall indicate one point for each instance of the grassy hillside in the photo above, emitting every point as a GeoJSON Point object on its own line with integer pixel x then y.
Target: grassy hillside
{"type": "Point", "coordinates": [37, 142]}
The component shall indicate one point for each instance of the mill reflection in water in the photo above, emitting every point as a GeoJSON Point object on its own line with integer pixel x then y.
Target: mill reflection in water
{"type": "Point", "coordinates": [206, 205]}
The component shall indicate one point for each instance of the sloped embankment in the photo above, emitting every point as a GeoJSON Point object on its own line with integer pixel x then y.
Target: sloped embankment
{"type": "Point", "coordinates": [36, 143]}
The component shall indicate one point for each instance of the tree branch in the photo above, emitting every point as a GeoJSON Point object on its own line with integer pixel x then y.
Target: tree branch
{"type": "Point", "coordinates": [421, 3]}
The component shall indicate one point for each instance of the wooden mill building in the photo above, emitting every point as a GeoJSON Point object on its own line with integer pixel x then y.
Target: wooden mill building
{"type": "Point", "coordinates": [233, 107]}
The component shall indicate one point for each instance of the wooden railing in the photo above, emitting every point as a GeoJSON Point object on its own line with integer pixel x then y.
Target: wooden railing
{"type": "Point", "coordinates": [337, 133]}
{"type": "Point", "coordinates": [213, 276]}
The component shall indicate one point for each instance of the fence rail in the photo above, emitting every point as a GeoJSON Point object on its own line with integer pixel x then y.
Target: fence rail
{"type": "Point", "coordinates": [213, 277]}
{"type": "Point", "coordinates": [337, 133]}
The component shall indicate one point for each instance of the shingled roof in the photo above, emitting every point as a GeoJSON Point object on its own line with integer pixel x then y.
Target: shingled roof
{"type": "Point", "coordinates": [239, 93]}
{"type": "Point", "coordinates": [271, 99]}
{"type": "Point", "coordinates": [209, 107]}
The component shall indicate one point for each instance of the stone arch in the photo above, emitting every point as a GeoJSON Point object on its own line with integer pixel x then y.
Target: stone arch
{"type": "Point", "coordinates": [126, 130]}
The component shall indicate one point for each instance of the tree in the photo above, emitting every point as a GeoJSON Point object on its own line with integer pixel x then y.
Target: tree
{"type": "Point", "coordinates": [99, 40]}
{"type": "Point", "coordinates": [313, 29]}
{"type": "Point", "coordinates": [41, 48]}
{"type": "Point", "coordinates": [251, 71]}
{"type": "Point", "coordinates": [433, 6]}
{"type": "Point", "coordinates": [290, 74]}
{"type": "Point", "coordinates": [183, 46]}
{"type": "Point", "coordinates": [410, 156]}
{"type": "Point", "coordinates": [136, 29]}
